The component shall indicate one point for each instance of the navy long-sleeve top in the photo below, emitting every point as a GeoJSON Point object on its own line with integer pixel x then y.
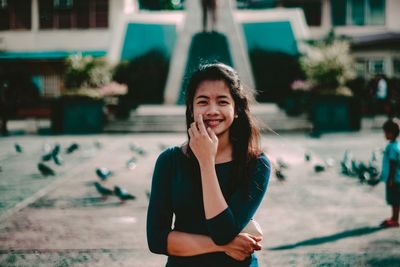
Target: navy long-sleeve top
{"type": "Point", "coordinates": [176, 192]}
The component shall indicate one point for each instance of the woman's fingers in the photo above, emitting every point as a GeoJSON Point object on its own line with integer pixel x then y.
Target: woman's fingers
{"type": "Point", "coordinates": [190, 133]}
{"type": "Point", "coordinates": [200, 125]}
{"type": "Point", "coordinates": [195, 131]}
{"type": "Point", "coordinates": [212, 134]}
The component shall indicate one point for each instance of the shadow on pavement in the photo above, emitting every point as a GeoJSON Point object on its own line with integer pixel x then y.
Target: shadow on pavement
{"type": "Point", "coordinates": [391, 261]}
{"type": "Point", "coordinates": [330, 238]}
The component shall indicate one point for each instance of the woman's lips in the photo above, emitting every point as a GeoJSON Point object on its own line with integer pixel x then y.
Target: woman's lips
{"type": "Point", "coordinates": [212, 123]}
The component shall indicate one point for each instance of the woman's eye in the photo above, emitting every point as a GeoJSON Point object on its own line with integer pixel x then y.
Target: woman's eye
{"type": "Point", "coordinates": [223, 102]}
{"type": "Point", "coordinates": [202, 102]}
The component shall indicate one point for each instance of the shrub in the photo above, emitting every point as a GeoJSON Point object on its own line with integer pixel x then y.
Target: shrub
{"type": "Point", "coordinates": [273, 73]}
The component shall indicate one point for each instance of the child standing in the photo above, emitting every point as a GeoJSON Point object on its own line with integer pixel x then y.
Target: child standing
{"type": "Point", "coordinates": [391, 171]}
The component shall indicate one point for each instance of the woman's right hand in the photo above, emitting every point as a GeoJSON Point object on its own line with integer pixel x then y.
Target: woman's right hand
{"type": "Point", "coordinates": [242, 246]}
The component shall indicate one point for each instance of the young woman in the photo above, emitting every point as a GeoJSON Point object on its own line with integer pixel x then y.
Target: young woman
{"type": "Point", "coordinates": [214, 183]}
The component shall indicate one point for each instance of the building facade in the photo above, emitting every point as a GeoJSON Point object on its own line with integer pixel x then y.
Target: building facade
{"type": "Point", "coordinates": [37, 35]}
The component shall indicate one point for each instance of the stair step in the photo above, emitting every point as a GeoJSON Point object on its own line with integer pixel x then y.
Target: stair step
{"type": "Point", "coordinates": [163, 118]}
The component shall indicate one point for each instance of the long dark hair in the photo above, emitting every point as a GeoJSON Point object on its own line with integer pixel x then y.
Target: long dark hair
{"type": "Point", "coordinates": [244, 135]}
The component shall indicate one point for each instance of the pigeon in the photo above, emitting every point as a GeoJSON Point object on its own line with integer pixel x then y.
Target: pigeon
{"type": "Point", "coordinates": [46, 148]}
{"type": "Point", "coordinates": [58, 160]}
{"type": "Point", "coordinates": [282, 164]}
{"type": "Point", "coordinates": [122, 194]}
{"type": "Point", "coordinates": [56, 150]}
{"type": "Point", "coordinates": [354, 167]}
{"type": "Point", "coordinates": [319, 168]}
{"type": "Point", "coordinates": [72, 148]}
{"type": "Point", "coordinates": [47, 157]}
{"type": "Point", "coordinates": [137, 149]}
{"type": "Point", "coordinates": [103, 173]}
{"type": "Point", "coordinates": [104, 192]}
{"type": "Point", "coordinates": [45, 170]}
{"type": "Point", "coordinates": [18, 148]}
{"type": "Point", "coordinates": [307, 156]}
{"type": "Point", "coordinates": [97, 144]}
{"type": "Point", "coordinates": [131, 163]}
{"type": "Point", "coordinates": [280, 175]}
{"type": "Point", "coordinates": [373, 182]}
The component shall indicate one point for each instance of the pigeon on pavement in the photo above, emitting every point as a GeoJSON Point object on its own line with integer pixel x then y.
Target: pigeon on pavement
{"type": "Point", "coordinates": [103, 173]}
{"type": "Point", "coordinates": [72, 148]}
{"type": "Point", "coordinates": [319, 168]}
{"type": "Point", "coordinates": [56, 150]}
{"type": "Point", "coordinates": [122, 194]}
{"type": "Point", "coordinates": [58, 160]}
{"type": "Point", "coordinates": [280, 175]}
{"type": "Point", "coordinates": [131, 163]}
{"type": "Point", "coordinates": [45, 170]}
{"type": "Point", "coordinates": [104, 192]}
{"type": "Point", "coordinates": [47, 157]}
{"type": "Point", "coordinates": [18, 148]}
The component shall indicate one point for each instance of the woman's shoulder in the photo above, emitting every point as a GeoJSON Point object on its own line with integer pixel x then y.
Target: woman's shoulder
{"type": "Point", "coordinates": [262, 167]}
{"type": "Point", "coordinates": [262, 161]}
{"type": "Point", "coordinates": [172, 153]}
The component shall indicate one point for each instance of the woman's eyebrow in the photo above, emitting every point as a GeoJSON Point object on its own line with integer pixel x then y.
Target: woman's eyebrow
{"type": "Point", "coordinates": [202, 96]}
{"type": "Point", "coordinates": [207, 97]}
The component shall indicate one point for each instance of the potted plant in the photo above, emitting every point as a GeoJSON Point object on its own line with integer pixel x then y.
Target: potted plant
{"type": "Point", "coordinates": [88, 87]}
{"type": "Point", "coordinates": [328, 66]}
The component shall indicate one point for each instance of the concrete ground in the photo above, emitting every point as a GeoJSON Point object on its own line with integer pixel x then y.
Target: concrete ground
{"type": "Point", "coordinates": [311, 219]}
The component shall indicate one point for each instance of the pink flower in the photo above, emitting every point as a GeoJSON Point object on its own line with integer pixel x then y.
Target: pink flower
{"type": "Point", "coordinates": [113, 89]}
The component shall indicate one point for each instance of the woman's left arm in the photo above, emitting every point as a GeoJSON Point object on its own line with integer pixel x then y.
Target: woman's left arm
{"type": "Point", "coordinates": [242, 205]}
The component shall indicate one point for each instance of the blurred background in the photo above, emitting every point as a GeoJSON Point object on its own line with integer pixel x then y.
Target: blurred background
{"type": "Point", "coordinates": [51, 51]}
{"type": "Point", "coordinates": [91, 91]}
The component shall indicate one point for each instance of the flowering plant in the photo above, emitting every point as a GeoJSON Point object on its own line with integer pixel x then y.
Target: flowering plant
{"type": "Point", "coordinates": [328, 66]}
{"type": "Point", "coordinates": [86, 76]}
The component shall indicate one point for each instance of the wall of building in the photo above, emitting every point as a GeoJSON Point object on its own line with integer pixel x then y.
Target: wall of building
{"type": "Point", "coordinates": [392, 22]}
{"type": "Point", "coordinates": [57, 39]}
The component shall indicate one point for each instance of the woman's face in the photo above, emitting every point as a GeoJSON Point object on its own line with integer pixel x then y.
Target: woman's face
{"type": "Point", "coordinates": [214, 101]}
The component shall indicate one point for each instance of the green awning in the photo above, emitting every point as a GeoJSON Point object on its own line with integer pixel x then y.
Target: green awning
{"type": "Point", "coordinates": [274, 36]}
{"type": "Point", "coordinates": [46, 55]}
{"type": "Point", "coordinates": [141, 38]}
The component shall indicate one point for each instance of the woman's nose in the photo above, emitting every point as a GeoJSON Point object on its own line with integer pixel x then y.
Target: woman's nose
{"type": "Point", "coordinates": [212, 109]}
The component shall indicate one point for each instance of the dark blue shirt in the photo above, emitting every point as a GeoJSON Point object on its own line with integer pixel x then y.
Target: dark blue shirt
{"type": "Point", "coordinates": [176, 192]}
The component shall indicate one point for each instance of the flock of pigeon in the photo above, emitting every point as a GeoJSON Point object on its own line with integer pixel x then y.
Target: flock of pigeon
{"type": "Point", "coordinates": [367, 173]}
{"type": "Point", "coordinates": [53, 153]}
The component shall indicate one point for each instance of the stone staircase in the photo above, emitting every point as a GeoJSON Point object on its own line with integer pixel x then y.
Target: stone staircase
{"type": "Point", "coordinates": [166, 118]}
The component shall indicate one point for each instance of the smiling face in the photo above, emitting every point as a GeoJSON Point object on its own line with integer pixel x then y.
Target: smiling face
{"type": "Point", "coordinates": [214, 101]}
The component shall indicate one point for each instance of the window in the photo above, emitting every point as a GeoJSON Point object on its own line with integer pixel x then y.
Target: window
{"type": "Point", "coordinates": [361, 67]}
{"type": "Point", "coordinates": [63, 4]}
{"type": "Point", "coordinates": [358, 12]}
{"type": "Point", "coordinates": [311, 9]}
{"type": "Point", "coordinates": [74, 14]}
{"type": "Point", "coordinates": [376, 66]}
{"type": "Point", "coordinates": [3, 4]}
{"type": "Point", "coordinates": [396, 66]}
{"type": "Point", "coordinates": [15, 15]}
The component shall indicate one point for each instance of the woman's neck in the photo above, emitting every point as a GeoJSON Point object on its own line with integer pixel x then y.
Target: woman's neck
{"type": "Point", "coordinates": [224, 151]}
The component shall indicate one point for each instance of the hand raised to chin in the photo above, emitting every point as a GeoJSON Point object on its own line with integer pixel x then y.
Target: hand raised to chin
{"type": "Point", "coordinates": [203, 142]}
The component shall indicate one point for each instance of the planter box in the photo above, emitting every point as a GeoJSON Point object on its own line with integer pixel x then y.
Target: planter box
{"type": "Point", "coordinates": [330, 113]}
{"type": "Point", "coordinates": [78, 115]}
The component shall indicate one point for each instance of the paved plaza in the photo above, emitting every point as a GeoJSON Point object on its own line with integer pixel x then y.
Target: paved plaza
{"type": "Point", "coordinates": [310, 219]}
